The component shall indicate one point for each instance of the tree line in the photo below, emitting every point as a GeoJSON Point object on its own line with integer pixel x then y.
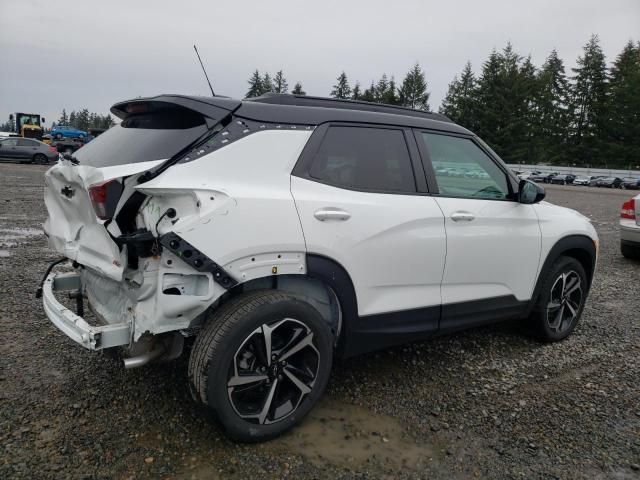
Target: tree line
{"type": "Point", "coordinates": [84, 119]}
{"type": "Point", "coordinates": [527, 114]}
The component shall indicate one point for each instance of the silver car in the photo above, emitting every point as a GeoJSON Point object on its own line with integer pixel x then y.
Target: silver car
{"type": "Point", "coordinates": [26, 150]}
{"type": "Point", "coordinates": [630, 228]}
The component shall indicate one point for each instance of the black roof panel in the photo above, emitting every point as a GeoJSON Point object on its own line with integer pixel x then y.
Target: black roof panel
{"type": "Point", "coordinates": [298, 110]}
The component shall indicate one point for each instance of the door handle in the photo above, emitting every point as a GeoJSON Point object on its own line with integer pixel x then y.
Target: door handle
{"type": "Point", "coordinates": [330, 213]}
{"type": "Point", "coordinates": [462, 216]}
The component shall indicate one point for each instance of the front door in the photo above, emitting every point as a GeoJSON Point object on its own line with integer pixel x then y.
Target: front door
{"type": "Point", "coordinates": [493, 242]}
{"type": "Point", "coordinates": [9, 148]}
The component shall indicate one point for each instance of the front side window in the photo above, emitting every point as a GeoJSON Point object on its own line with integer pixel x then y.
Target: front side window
{"type": "Point", "coordinates": [462, 169]}
{"type": "Point", "coordinates": [363, 158]}
{"type": "Point", "coordinates": [11, 142]}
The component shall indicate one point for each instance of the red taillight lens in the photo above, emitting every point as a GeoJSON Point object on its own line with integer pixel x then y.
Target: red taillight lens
{"type": "Point", "coordinates": [53, 149]}
{"type": "Point", "coordinates": [628, 209]}
{"type": "Point", "coordinates": [103, 196]}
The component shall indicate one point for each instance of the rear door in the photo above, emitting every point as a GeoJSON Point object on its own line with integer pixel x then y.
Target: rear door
{"type": "Point", "coordinates": [362, 200]}
{"type": "Point", "coordinates": [493, 241]}
{"type": "Point", "coordinates": [26, 148]}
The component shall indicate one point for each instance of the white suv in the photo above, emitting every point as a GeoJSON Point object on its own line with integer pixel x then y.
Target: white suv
{"type": "Point", "coordinates": [285, 230]}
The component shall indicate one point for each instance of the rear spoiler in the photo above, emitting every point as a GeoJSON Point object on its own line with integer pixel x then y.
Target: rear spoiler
{"type": "Point", "coordinates": [214, 108]}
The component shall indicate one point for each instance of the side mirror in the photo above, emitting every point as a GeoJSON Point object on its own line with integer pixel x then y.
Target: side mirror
{"type": "Point", "coordinates": [529, 192]}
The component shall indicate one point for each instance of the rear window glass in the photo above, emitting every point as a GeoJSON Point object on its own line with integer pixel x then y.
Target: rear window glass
{"type": "Point", "coordinates": [142, 138]}
{"type": "Point", "coordinates": [364, 158]}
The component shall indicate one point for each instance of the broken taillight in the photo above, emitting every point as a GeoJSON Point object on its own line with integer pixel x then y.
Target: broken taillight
{"type": "Point", "coordinates": [628, 209]}
{"type": "Point", "coordinates": [104, 198]}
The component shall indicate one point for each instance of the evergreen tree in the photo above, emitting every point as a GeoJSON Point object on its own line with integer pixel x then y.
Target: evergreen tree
{"type": "Point", "coordinates": [341, 89]}
{"type": "Point", "coordinates": [381, 88]}
{"type": "Point", "coordinates": [552, 113]}
{"type": "Point", "coordinates": [623, 108]}
{"type": "Point", "coordinates": [369, 94]}
{"type": "Point", "coordinates": [390, 95]}
{"type": "Point", "coordinates": [72, 119]}
{"type": "Point", "coordinates": [589, 103]}
{"type": "Point", "coordinates": [460, 102]}
{"type": "Point", "coordinates": [267, 84]}
{"type": "Point", "coordinates": [280, 84]}
{"type": "Point", "coordinates": [413, 92]}
{"type": "Point", "coordinates": [255, 85]}
{"type": "Point", "coordinates": [356, 93]}
{"type": "Point", "coordinates": [82, 119]}
{"type": "Point", "coordinates": [297, 89]}
{"type": "Point", "coordinates": [64, 119]}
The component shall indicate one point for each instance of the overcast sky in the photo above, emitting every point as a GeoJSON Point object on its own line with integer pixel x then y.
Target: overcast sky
{"type": "Point", "coordinates": [92, 53]}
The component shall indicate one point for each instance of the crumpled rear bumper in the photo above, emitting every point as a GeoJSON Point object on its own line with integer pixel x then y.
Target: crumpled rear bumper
{"type": "Point", "coordinates": [74, 326]}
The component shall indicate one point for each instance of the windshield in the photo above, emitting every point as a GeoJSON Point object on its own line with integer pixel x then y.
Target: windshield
{"type": "Point", "coordinates": [137, 141]}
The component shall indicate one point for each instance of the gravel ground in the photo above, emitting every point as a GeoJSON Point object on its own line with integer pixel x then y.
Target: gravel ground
{"type": "Point", "coordinates": [487, 403]}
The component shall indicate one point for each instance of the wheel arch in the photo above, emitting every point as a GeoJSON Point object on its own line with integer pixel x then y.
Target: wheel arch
{"type": "Point", "coordinates": [580, 247]}
{"type": "Point", "coordinates": [321, 286]}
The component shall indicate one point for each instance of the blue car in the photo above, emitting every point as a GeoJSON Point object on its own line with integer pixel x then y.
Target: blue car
{"type": "Point", "coordinates": [60, 131]}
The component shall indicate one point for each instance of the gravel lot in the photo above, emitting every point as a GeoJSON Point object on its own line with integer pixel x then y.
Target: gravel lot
{"type": "Point", "coordinates": [488, 403]}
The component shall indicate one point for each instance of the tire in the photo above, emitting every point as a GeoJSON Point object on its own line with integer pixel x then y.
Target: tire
{"type": "Point", "coordinates": [40, 159]}
{"type": "Point", "coordinates": [630, 252]}
{"type": "Point", "coordinates": [234, 339]}
{"type": "Point", "coordinates": [556, 314]}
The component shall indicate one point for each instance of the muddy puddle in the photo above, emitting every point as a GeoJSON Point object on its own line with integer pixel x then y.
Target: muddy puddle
{"type": "Point", "coordinates": [352, 436]}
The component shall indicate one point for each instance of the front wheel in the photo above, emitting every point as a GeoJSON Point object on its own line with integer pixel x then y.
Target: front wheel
{"type": "Point", "coordinates": [261, 363]}
{"type": "Point", "coordinates": [561, 300]}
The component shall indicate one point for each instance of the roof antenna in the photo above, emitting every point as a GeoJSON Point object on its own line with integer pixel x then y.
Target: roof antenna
{"type": "Point", "coordinates": [205, 72]}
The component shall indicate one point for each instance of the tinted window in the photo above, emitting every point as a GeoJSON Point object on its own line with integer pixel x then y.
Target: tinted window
{"type": "Point", "coordinates": [27, 143]}
{"type": "Point", "coordinates": [143, 138]}
{"type": "Point", "coordinates": [463, 169]}
{"type": "Point", "coordinates": [11, 142]}
{"type": "Point", "coordinates": [364, 158]}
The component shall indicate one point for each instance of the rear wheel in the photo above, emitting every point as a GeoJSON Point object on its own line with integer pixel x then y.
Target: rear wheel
{"type": "Point", "coordinates": [560, 301]}
{"type": "Point", "coordinates": [261, 363]}
{"type": "Point", "coordinates": [40, 158]}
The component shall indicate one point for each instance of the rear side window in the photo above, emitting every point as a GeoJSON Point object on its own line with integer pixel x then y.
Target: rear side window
{"type": "Point", "coordinates": [27, 143]}
{"type": "Point", "coordinates": [363, 158]}
{"type": "Point", "coordinates": [143, 137]}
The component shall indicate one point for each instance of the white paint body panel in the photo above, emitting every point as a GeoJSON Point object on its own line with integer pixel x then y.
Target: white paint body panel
{"type": "Point", "coordinates": [236, 201]}
{"type": "Point", "coordinates": [392, 246]}
{"type": "Point", "coordinates": [495, 254]}
{"type": "Point", "coordinates": [557, 222]}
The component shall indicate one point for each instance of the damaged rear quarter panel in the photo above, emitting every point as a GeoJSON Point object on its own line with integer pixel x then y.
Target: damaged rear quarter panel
{"type": "Point", "coordinates": [233, 196]}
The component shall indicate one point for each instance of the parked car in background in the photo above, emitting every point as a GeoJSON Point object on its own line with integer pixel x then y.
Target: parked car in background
{"type": "Point", "coordinates": [583, 179]}
{"type": "Point", "coordinates": [630, 228]}
{"type": "Point", "coordinates": [563, 179]}
{"type": "Point", "coordinates": [61, 131]}
{"type": "Point", "coordinates": [594, 180]}
{"type": "Point", "coordinates": [26, 150]}
{"type": "Point", "coordinates": [630, 183]}
{"type": "Point", "coordinates": [608, 182]}
{"type": "Point", "coordinates": [538, 177]}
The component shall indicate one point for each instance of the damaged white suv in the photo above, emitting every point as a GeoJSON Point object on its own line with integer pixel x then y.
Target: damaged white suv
{"type": "Point", "coordinates": [285, 230]}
